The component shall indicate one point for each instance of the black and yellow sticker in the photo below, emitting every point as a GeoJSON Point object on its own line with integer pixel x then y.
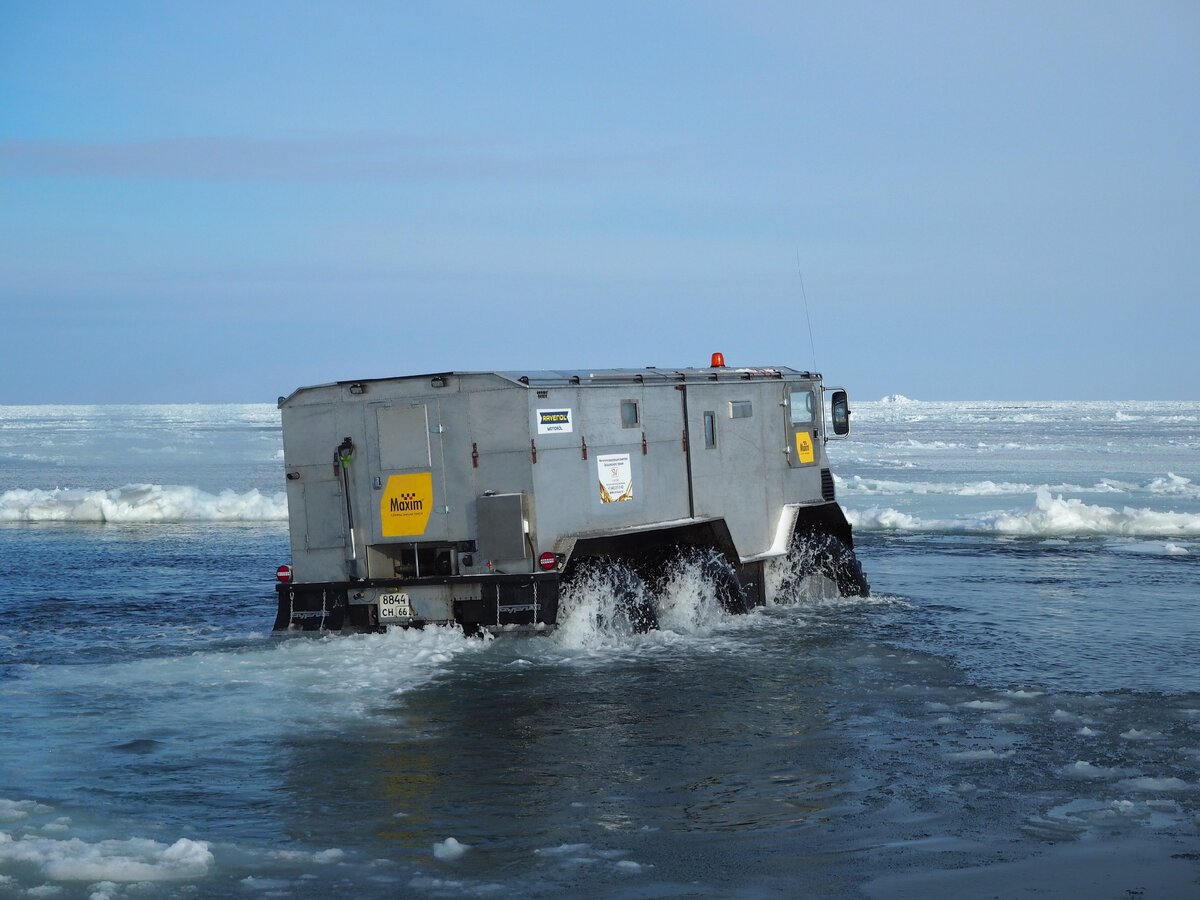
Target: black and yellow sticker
{"type": "Point", "coordinates": [405, 505]}
{"type": "Point", "coordinates": [804, 447]}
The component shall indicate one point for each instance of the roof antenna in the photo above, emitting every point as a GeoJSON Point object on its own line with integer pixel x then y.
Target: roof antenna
{"type": "Point", "coordinates": [804, 294]}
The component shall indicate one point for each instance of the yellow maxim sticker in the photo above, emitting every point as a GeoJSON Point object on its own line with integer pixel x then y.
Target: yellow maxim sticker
{"type": "Point", "coordinates": [804, 447]}
{"type": "Point", "coordinates": [405, 505]}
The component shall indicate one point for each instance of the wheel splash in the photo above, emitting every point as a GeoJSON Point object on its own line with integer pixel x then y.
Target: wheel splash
{"type": "Point", "coordinates": [696, 589]}
{"type": "Point", "coordinates": [818, 566]}
{"type": "Point", "coordinates": [603, 597]}
{"type": "Point", "coordinates": [686, 591]}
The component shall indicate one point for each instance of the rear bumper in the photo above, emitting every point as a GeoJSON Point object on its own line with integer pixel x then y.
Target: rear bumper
{"type": "Point", "coordinates": [526, 601]}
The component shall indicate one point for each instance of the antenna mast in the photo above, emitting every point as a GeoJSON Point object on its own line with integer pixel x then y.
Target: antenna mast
{"type": "Point", "coordinates": [803, 293]}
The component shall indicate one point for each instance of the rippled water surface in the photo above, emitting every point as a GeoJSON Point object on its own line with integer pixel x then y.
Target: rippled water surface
{"type": "Point", "coordinates": [1013, 711]}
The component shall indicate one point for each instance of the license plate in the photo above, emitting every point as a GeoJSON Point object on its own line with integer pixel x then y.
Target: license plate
{"type": "Point", "coordinates": [394, 606]}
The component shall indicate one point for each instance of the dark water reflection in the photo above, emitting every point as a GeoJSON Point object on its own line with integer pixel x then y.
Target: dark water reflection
{"type": "Point", "coordinates": [995, 710]}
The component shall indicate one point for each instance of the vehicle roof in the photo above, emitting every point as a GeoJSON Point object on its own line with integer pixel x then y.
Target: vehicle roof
{"type": "Point", "coordinates": [585, 377]}
{"type": "Point", "coordinates": [650, 374]}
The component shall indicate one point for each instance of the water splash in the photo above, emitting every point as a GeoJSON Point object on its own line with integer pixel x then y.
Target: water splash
{"type": "Point", "coordinates": [607, 601]}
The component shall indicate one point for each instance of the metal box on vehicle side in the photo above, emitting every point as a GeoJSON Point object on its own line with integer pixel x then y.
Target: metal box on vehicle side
{"type": "Point", "coordinates": [470, 497]}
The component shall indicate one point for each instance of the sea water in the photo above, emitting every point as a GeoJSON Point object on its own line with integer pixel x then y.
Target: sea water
{"type": "Point", "coordinates": [1015, 709]}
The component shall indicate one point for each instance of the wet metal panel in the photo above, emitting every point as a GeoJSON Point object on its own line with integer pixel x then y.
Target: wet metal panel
{"type": "Point", "coordinates": [502, 520]}
{"type": "Point", "coordinates": [403, 437]}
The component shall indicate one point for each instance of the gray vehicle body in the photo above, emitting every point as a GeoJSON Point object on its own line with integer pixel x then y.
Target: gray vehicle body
{"type": "Point", "coordinates": [467, 496]}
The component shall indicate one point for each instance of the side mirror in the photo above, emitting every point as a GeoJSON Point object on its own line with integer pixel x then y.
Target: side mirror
{"type": "Point", "coordinates": [840, 411]}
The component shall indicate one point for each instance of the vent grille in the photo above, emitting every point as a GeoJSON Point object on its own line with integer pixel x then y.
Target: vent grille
{"type": "Point", "coordinates": [826, 485]}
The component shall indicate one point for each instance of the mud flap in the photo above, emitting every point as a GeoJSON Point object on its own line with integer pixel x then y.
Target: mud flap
{"type": "Point", "coordinates": [519, 602]}
{"type": "Point", "coordinates": [316, 610]}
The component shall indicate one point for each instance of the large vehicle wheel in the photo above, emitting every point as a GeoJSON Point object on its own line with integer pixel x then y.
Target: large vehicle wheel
{"type": "Point", "coordinates": [712, 566]}
{"type": "Point", "coordinates": [727, 587]}
{"type": "Point", "coordinates": [613, 591]}
{"type": "Point", "coordinates": [820, 554]}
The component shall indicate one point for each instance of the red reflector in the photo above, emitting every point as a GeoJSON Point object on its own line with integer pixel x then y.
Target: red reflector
{"type": "Point", "coordinates": [548, 561]}
{"type": "Point", "coordinates": [718, 361]}
{"type": "Point", "coordinates": [284, 574]}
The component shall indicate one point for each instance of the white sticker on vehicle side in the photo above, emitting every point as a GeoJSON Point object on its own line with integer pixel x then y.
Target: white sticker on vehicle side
{"type": "Point", "coordinates": [554, 421]}
{"type": "Point", "coordinates": [616, 477]}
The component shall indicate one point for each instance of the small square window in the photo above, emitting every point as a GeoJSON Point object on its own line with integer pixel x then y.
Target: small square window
{"type": "Point", "coordinates": [630, 417]}
{"type": "Point", "coordinates": [740, 409]}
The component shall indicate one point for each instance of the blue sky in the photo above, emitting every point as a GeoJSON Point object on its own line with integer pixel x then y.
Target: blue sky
{"type": "Point", "coordinates": [223, 201]}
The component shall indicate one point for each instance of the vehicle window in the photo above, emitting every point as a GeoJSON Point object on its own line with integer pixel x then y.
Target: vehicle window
{"type": "Point", "coordinates": [710, 430]}
{"type": "Point", "coordinates": [629, 414]}
{"type": "Point", "coordinates": [802, 406]}
{"type": "Point", "coordinates": [740, 409]}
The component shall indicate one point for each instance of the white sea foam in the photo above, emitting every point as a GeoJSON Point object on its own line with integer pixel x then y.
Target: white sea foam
{"type": "Point", "coordinates": [575, 855]}
{"type": "Point", "coordinates": [283, 684]}
{"type": "Point", "coordinates": [1150, 548]}
{"type": "Point", "coordinates": [886, 519]}
{"type": "Point", "coordinates": [563, 850]}
{"type": "Point", "coordinates": [1154, 785]}
{"type": "Point", "coordinates": [988, 705]}
{"type": "Point", "coordinates": [449, 849]}
{"type": "Point", "coordinates": [1084, 769]}
{"type": "Point", "coordinates": [858, 485]}
{"type": "Point", "coordinates": [269, 887]}
{"type": "Point", "coordinates": [18, 810]}
{"type": "Point", "coordinates": [319, 856]}
{"type": "Point", "coordinates": [136, 859]}
{"type": "Point", "coordinates": [979, 755]}
{"type": "Point", "coordinates": [1174, 484]}
{"type": "Point", "coordinates": [141, 503]}
{"type": "Point", "coordinates": [1074, 818]}
{"type": "Point", "coordinates": [914, 444]}
{"type": "Point", "coordinates": [1049, 516]}
{"type": "Point", "coordinates": [1135, 734]}
{"type": "Point", "coordinates": [1055, 515]}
